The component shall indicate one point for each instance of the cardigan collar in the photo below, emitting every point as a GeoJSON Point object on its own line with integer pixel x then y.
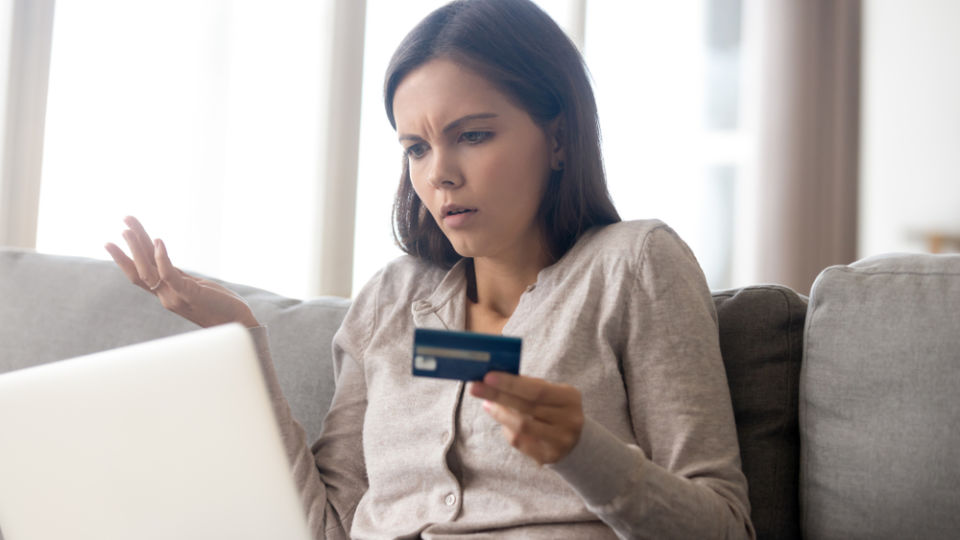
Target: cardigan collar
{"type": "Point", "coordinates": [445, 308]}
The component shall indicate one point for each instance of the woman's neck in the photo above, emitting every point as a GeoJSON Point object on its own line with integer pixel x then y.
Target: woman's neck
{"type": "Point", "coordinates": [498, 283]}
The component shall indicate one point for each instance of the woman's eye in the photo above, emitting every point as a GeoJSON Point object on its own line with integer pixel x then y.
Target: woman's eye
{"type": "Point", "coordinates": [416, 151]}
{"type": "Point", "coordinates": [474, 137]}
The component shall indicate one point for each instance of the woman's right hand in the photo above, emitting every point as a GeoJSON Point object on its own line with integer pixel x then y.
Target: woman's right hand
{"type": "Point", "coordinates": [199, 300]}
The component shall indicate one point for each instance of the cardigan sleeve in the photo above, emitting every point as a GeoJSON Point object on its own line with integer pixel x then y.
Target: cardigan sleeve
{"type": "Point", "coordinates": [330, 476]}
{"type": "Point", "coordinates": [684, 479]}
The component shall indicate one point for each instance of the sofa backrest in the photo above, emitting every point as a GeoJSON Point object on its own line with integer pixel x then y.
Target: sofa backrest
{"type": "Point", "coordinates": [879, 405]}
{"type": "Point", "coordinates": [55, 307]}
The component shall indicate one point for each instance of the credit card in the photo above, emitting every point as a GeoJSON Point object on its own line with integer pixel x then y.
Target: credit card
{"type": "Point", "coordinates": [465, 356]}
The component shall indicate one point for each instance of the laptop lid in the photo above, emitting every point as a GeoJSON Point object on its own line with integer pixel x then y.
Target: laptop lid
{"type": "Point", "coordinates": [173, 438]}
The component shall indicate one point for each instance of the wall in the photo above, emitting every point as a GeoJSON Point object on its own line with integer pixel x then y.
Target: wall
{"type": "Point", "coordinates": [910, 158]}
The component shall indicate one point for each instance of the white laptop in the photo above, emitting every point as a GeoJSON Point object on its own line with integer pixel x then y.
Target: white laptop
{"type": "Point", "coordinates": [173, 438]}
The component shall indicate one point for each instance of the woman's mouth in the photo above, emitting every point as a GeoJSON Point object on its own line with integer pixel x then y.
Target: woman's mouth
{"type": "Point", "coordinates": [458, 216]}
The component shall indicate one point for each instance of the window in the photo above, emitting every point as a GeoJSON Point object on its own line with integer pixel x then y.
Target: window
{"type": "Point", "coordinates": [201, 118]}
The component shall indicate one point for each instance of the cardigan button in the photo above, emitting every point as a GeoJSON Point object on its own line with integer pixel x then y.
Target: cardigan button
{"type": "Point", "coordinates": [450, 499]}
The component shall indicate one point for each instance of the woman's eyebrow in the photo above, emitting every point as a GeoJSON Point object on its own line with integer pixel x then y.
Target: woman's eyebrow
{"type": "Point", "coordinates": [456, 123]}
{"type": "Point", "coordinates": [452, 125]}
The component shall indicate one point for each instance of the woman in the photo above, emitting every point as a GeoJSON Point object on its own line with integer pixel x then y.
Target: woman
{"type": "Point", "coordinates": [620, 424]}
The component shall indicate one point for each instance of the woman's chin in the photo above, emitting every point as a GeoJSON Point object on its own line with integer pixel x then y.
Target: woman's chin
{"type": "Point", "coordinates": [465, 252]}
{"type": "Point", "coordinates": [466, 249]}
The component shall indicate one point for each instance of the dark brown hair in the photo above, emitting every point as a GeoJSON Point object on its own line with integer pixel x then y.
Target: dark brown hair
{"type": "Point", "coordinates": [522, 51]}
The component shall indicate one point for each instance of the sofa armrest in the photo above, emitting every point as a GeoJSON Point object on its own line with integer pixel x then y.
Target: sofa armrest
{"type": "Point", "coordinates": [878, 400]}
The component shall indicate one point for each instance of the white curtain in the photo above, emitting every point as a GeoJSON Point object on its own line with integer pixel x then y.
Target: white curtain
{"type": "Point", "coordinates": [223, 125]}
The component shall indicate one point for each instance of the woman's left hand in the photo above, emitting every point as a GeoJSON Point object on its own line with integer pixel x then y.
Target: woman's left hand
{"type": "Point", "coordinates": [541, 419]}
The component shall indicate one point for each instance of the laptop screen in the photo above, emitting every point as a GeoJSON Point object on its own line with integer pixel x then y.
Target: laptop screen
{"type": "Point", "coordinates": [173, 438]}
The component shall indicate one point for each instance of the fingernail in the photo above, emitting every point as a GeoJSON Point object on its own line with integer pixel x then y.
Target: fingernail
{"type": "Point", "coordinates": [491, 379]}
{"type": "Point", "coordinates": [486, 405]}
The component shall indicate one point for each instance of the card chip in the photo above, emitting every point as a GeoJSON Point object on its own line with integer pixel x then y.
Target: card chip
{"type": "Point", "coordinates": [426, 363]}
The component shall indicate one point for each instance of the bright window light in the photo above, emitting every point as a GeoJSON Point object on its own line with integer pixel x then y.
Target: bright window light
{"type": "Point", "coordinates": [201, 118]}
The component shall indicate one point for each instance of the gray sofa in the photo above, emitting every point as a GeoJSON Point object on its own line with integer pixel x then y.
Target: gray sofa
{"type": "Point", "coordinates": [847, 406]}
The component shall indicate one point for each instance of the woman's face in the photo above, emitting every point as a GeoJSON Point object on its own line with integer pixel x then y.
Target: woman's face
{"type": "Point", "coordinates": [477, 161]}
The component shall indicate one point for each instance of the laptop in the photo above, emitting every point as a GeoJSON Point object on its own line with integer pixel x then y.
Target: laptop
{"type": "Point", "coordinates": [173, 438]}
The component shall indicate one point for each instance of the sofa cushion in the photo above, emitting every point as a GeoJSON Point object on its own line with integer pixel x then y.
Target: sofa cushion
{"type": "Point", "coordinates": [55, 307]}
{"type": "Point", "coordinates": [879, 409]}
{"type": "Point", "coordinates": [761, 331]}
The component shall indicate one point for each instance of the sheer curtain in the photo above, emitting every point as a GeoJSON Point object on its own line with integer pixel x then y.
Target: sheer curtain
{"type": "Point", "coordinates": [208, 120]}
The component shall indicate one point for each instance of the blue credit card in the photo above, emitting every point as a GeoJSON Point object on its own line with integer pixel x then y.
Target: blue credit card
{"type": "Point", "coordinates": [465, 356]}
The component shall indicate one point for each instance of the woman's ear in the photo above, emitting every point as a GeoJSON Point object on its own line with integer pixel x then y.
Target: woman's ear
{"type": "Point", "coordinates": [555, 139]}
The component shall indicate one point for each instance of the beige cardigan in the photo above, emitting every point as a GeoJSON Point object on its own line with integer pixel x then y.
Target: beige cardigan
{"type": "Point", "coordinates": [625, 316]}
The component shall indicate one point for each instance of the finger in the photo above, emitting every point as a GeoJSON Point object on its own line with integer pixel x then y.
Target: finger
{"type": "Point", "coordinates": [530, 389]}
{"type": "Point", "coordinates": [516, 422]}
{"type": "Point", "coordinates": [541, 451]}
{"type": "Point", "coordinates": [142, 259]}
{"type": "Point", "coordinates": [140, 236]}
{"type": "Point", "coordinates": [526, 388]}
{"type": "Point", "coordinates": [533, 448]}
{"type": "Point", "coordinates": [145, 246]}
{"type": "Point", "coordinates": [544, 442]}
{"type": "Point", "coordinates": [137, 228]}
{"type": "Point", "coordinates": [548, 412]}
{"type": "Point", "coordinates": [125, 264]}
{"type": "Point", "coordinates": [525, 424]}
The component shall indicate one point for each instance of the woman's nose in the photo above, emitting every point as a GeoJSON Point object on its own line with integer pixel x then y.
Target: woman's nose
{"type": "Point", "coordinates": [444, 174]}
